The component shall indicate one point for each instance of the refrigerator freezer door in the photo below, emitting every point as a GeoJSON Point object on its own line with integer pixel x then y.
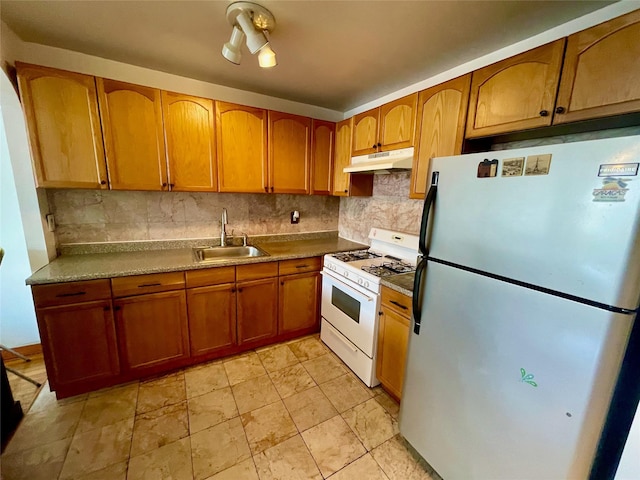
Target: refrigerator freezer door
{"type": "Point", "coordinates": [504, 382]}
{"type": "Point", "coordinates": [547, 230]}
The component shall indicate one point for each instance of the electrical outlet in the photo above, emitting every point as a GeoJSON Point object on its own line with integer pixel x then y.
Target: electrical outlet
{"type": "Point", "coordinates": [295, 217]}
{"type": "Point", "coordinates": [51, 222]}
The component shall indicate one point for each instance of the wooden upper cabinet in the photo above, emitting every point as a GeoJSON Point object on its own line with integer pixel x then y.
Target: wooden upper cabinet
{"type": "Point", "coordinates": [397, 123]}
{"type": "Point", "coordinates": [442, 112]}
{"type": "Point", "coordinates": [347, 184]}
{"type": "Point", "coordinates": [241, 134]}
{"type": "Point", "coordinates": [601, 71]}
{"type": "Point", "coordinates": [322, 148]}
{"type": "Point", "coordinates": [289, 153]}
{"type": "Point", "coordinates": [191, 149]}
{"type": "Point", "coordinates": [365, 132]}
{"type": "Point", "coordinates": [61, 110]}
{"type": "Point", "coordinates": [388, 127]}
{"type": "Point", "coordinates": [133, 135]}
{"type": "Point", "coordinates": [517, 93]}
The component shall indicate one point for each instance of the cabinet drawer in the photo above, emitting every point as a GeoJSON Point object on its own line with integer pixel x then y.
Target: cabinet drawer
{"type": "Point", "coordinates": [210, 276]}
{"type": "Point", "coordinates": [397, 302]}
{"type": "Point", "coordinates": [300, 265]}
{"type": "Point", "coordinates": [71, 292]}
{"type": "Point", "coordinates": [256, 271]}
{"type": "Point", "coordinates": [152, 283]}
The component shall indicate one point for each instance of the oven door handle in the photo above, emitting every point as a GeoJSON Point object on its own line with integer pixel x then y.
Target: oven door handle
{"type": "Point", "coordinates": [344, 285]}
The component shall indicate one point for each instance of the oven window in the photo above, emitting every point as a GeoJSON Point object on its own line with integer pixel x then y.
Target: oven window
{"type": "Point", "coordinates": [348, 305]}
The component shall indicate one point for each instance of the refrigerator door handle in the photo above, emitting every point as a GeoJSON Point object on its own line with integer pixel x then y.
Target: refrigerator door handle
{"type": "Point", "coordinates": [417, 295]}
{"type": "Point", "coordinates": [424, 225]}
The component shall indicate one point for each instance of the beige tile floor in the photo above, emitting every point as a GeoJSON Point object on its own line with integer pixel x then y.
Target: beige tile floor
{"type": "Point", "coordinates": [288, 411]}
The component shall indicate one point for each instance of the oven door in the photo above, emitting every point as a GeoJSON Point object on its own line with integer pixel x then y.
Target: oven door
{"type": "Point", "coordinates": [352, 310]}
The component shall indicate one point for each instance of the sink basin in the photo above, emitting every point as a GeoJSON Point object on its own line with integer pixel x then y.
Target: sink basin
{"type": "Point", "coordinates": [211, 254]}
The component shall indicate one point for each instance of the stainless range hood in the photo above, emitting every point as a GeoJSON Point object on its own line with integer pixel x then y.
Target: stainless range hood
{"type": "Point", "coordinates": [383, 162]}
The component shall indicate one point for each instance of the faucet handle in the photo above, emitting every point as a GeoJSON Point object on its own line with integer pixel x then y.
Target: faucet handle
{"type": "Point", "coordinates": [244, 239]}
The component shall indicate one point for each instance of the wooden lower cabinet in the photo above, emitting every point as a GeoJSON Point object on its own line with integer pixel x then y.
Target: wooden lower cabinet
{"type": "Point", "coordinates": [212, 318]}
{"type": "Point", "coordinates": [393, 339]}
{"type": "Point", "coordinates": [299, 302]}
{"type": "Point", "coordinates": [79, 343]}
{"type": "Point", "coordinates": [152, 330]}
{"type": "Point", "coordinates": [257, 310]}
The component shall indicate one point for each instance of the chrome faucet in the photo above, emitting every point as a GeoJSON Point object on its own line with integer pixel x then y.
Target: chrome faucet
{"type": "Point", "coordinates": [223, 231]}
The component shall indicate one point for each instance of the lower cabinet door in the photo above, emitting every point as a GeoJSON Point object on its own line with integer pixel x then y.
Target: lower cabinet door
{"type": "Point", "coordinates": [393, 338]}
{"type": "Point", "coordinates": [257, 310]}
{"type": "Point", "coordinates": [79, 342]}
{"type": "Point", "coordinates": [212, 318]}
{"type": "Point", "coordinates": [298, 302]}
{"type": "Point", "coordinates": [152, 330]}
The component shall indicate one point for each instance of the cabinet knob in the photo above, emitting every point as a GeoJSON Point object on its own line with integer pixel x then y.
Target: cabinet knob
{"type": "Point", "coordinates": [544, 113]}
{"type": "Point", "coordinates": [240, 290]}
{"type": "Point", "coordinates": [164, 185]}
{"type": "Point", "coordinates": [379, 144]}
{"type": "Point", "coordinates": [346, 191]}
{"type": "Point", "coordinates": [171, 185]}
{"type": "Point", "coordinates": [103, 182]}
{"type": "Point", "coordinates": [281, 282]}
{"type": "Point", "coordinates": [560, 110]}
{"type": "Point", "coordinates": [373, 146]}
{"type": "Point", "coordinates": [271, 189]}
{"type": "Point", "coordinates": [233, 290]}
{"type": "Point", "coordinates": [380, 313]}
{"type": "Point", "coordinates": [116, 308]}
{"type": "Point", "coordinates": [106, 309]}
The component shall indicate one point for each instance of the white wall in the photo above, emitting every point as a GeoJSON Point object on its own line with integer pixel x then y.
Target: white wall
{"type": "Point", "coordinates": [17, 316]}
{"type": "Point", "coordinates": [629, 468]}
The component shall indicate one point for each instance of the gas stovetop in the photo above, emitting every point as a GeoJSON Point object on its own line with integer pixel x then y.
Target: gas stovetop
{"type": "Point", "coordinates": [391, 253]}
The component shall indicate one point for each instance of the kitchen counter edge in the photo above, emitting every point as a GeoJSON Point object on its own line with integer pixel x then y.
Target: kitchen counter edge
{"type": "Point", "coordinates": [72, 268]}
{"type": "Point", "coordinates": [400, 283]}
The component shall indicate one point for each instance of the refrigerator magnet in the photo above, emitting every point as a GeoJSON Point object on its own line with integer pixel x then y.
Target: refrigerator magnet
{"type": "Point", "coordinates": [488, 168]}
{"type": "Point", "coordinates": [538, 164]}
{"type": "Point", "coordinates": [618, 169]}
{"type": "Point", "coordinates": [612, 190]}
{"type": "Point", "coordinates": [512, 167]}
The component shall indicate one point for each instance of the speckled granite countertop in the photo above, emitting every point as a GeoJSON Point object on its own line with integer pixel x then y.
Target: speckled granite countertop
{"type": "Point", "coordinates": [90, 266]}
{"type": "Point", "coordinates": [402, 283]}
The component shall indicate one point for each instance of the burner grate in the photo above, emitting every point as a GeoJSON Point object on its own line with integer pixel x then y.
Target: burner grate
{"type": "Point", "coordinates": [355, 256]}
{"type": "Point", "coordinates": [388, 268]}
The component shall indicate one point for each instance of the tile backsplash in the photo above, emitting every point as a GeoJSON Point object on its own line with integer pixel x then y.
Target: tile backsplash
{"type": "Point", "coordinates": [84, 216]}
{"type": "Point", "coordinates": [389, 207]}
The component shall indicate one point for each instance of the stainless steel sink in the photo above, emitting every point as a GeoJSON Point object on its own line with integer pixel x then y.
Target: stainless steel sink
{"type": "Point", "coordinates": [211, 254]}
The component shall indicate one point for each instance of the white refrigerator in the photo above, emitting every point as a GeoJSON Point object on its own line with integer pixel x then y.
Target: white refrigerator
{"type": "Point", "coordinates": [524, 358]}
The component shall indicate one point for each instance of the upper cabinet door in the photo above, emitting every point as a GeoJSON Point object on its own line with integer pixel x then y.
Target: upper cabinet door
{"type": "Point", "coordinates": [289, 153]}
{"type": "Point", "coordinates": [241, 133]}
{"type": "Point", "coordinates": [342, 158]}
{"type": "Point", "coordinates": [601, 72]}
{"type": "Point", "coordinates": [397, 122]}
{"type": "Point", "coordinates": [133, 135]}
{"type": "Point", "coordinates": [365, 132]}
{"type": "Point", "coordinates": [517, 93]}
{"type": "Point", "coordinates": [440, 128]}
{"type": "Point", "coordinates": [322, 148]}
{"type": "Point", "coordinates": [61, 110]}
{"type": "Point", "coordinates": [191, 149]}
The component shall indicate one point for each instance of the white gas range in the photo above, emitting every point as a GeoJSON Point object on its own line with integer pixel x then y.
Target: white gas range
{"type": "Point", "coordinates": [351, 297]}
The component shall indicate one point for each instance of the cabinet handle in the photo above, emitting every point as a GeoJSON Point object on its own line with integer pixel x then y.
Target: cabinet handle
{"type": "Point", "coordinates": [74, 294]}
{"type": "Point", "coordinates": [271, 189]}
{"type": "Point", "coordinates": [559, 109]}
{"type": "Point", "coordinates": [149, 285]}
{"type": "Point", "coordinates": [171, 185]}
{"type": "Point", "coordinates": [302, 266]}
{"type": "Point", "coordinates": [398, 304]}
{"type": "Point", "coordinates": [266, 189]}
{"type": "Point", "coordinates": [380, 313]}
{"type": "Point", "coordinates": [103, 182]}
{"type": "Point", "coordinates": [544, 113]}
{"type": "Point", "coordinates": [373, 146]}
{"type": "Point", "coordinates": [379, 144]}
{"type": "Point", "coordinates": [164, 185]}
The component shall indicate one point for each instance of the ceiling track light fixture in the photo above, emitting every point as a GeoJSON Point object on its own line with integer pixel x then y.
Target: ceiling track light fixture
{"type": "Point", "coordinates": [250, 21]}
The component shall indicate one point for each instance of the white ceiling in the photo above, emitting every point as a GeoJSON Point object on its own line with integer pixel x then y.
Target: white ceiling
{"type": "Point", "coordinates": [333, 54]}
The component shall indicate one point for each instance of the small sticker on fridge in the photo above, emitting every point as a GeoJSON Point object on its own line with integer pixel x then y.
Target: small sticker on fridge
{"type": "Point", "coordinates": [618, 169]}
{"type": "Point", "coordinates": [613, 190]}
{"type": "Point", "coordinates": [538, 164]}
{"type": "Point", "coordinates": [487, 168]}
{"type": "Point", "coordinates": [512, 167]}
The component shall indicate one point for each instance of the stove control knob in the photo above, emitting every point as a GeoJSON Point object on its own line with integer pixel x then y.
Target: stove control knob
{"type": "Point", "coordinates": [346, 274]}
{"type": "Point", "coordinates": [360, 281]}
{"type": "Point", "coordinates": [366, 284]}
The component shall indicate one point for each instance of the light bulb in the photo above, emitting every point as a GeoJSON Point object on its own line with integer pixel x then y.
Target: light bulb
{"type": "Point", "coordinates": [267, 57]}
